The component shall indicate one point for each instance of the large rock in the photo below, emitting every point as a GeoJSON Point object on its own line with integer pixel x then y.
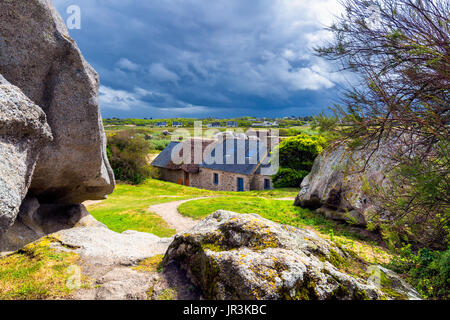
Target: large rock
{"type": "Point", "coordinates": [23, 133]}
{"type": "Point", "coordinates": [107, 247]}
{"type": "Point", "coordinates": [234, 256]}
{"type": "Point", "coordinates": [338, 183]}
{"type": "Point", "coordinates": [38, 56]}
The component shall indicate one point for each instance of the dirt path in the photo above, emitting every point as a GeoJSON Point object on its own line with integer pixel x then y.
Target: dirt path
{"type": "Point", "coordinates": [91, 202]}
{"type": "Point", "coordinates": [169, 212]}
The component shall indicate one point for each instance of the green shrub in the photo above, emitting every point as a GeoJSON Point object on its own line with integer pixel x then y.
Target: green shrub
{"type": "Point", "coordinates": [427, 270]}
{"type": "Point", "coordinates": [287, 177]}
{"type": "Point", "coordinates": [299, 152]}
{"type": "Point", "coordinates": [297, 155]}
{"type": "Point", "coordinates": [127, 154]}
{"type": "Point", "coordinates": [160, 144]}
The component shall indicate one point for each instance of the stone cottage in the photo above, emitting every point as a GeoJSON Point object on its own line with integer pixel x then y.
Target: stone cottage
{"type": "Point", "coordinates": [221, 165]}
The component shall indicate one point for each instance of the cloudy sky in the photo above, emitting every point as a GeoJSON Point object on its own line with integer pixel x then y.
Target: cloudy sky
{"type": "Point", "coordinates": [201, 58]}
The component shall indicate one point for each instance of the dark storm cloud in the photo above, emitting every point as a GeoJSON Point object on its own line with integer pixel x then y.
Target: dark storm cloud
{"type": "Point", "coordinates": [165, 58]}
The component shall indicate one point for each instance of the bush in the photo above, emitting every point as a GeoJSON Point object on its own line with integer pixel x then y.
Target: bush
{"type": "Point", "coordinates": [160, 145]}
{"type": "Point", "coordinates": [418, 200]}
{"type": "Point", "coordinates": [299, 152]}
{"type": "Point", "coordinates": [297, 155]}
{"type": "Point", "coordinates": [287, 177]}
{"type": "Point", "coordinates": [127, 154]}
{"type": "Point", "coordinates": [290, 132]}
{"type": "Point", "coordinates": [428, 271]}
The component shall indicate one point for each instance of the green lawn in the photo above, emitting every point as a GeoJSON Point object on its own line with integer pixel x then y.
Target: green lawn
{"type": "Point", "coordinates": [127, 207]}
{"type": "Point", "coordinates": [276, 210]}
{"type": "Point", "coordinates": [280, 211]}
{"type": "Point", "coordinates": [285, 212]}
{"type": "Point", "coordinates": [37, 272]}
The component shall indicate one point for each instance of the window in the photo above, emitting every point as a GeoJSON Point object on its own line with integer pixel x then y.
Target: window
{"type": "Point", "coordinates": [266, 184]}
{"type": "Point", "coordinates": [216, 178]}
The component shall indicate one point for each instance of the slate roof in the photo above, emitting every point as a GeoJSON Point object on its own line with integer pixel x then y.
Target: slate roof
{"type": "Point", "coordinates": [266, 167]}
{"type": "Point", "coordinates": [253, 150]}
{"type": "Point", "coordinates": [164, 159]}
{"type": "Point", "coordinates": [249, 152]}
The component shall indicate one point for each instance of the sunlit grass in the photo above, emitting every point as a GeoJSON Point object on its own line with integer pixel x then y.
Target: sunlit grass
{"type": "Point", "coordinates": [285, 212]}
{"type": "Point", "coordinates": [127, 208]}
{"type": "Point", "coordinates": [37, 272]}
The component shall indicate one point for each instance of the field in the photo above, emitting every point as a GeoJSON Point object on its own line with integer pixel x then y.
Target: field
{"type": "Point", "coordinates": [127, 209]}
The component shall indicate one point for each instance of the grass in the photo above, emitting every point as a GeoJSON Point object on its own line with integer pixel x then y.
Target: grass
{"type": "Point", "coordinates": [276, 210]}
{"type": "Point", "coordinates": [39, 272]}
{"type": "Point", "coordinates": [150, 265]}
{"type": "Point", "coordinates": [285, 213]}
{"type": "Point", "coordinates": [127, 208]}
{"type": "Point", "coordinates": [36, 272]}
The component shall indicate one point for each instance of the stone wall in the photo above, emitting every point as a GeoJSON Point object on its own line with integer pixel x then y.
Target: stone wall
{"type": "Point", "coordinates": [227, 180]}
{"type": "Point", "coordinates": [258, 182]}
{"type": "Point", "coordinates": [205, 179]}
{"type": "Point", "coordinates": [174, 176]}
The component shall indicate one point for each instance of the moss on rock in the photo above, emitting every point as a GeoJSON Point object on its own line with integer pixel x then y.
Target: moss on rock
{"type": "Point", "coordinates": [39, 271]}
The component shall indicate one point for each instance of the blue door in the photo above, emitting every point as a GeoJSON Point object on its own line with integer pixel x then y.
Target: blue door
{"type": "Point", "coordinates": [240, 184]}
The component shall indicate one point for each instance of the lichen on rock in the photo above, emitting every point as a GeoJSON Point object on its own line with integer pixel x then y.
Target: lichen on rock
{"type": "Point", "coordinates": [240, 256]}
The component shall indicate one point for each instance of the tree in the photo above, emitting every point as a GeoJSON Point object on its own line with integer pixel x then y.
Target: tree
{"type": "Point", "coordinates": [297, 156]}
{"type": "Point", "coordinates": [128, 154]}
{"type": "Point", "coordinates": [401, 56]}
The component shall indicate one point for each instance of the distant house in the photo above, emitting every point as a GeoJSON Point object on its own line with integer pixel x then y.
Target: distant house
{"type": "Point", "coordinates": [177, 124]}
{"type": "Point", "coordinates": [225, 165]}
{"type": "Point", "coordinates": [214, 125]}
{"type": "Point", "coordinates": [265, 124]}
{"type": "Point", "coordinates": [161, 124]}
{"type": "Point", "coordinates": [232, 124]}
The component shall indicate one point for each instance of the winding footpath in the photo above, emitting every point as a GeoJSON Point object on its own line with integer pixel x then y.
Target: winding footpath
{"type": "Point", "coordinates": [169, 212]}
